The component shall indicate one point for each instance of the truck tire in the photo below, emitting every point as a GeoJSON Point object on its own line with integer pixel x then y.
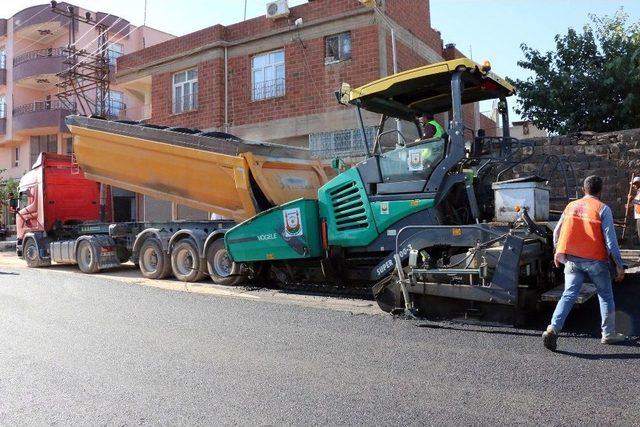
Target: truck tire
{"type": "Point", "coordinates": [185, 261]}
{"type": "Point", "coordinates": [153, 261]}
{"type": "Point", "coordinates": [32, 255]}
{"type": "Point", "coordinates": [87, 257]}
{"type": "Point", "coordinates": [222, 270]}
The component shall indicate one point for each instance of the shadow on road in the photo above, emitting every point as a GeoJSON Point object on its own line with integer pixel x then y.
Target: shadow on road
{"type": "Point", "coordinates": [606, 356]}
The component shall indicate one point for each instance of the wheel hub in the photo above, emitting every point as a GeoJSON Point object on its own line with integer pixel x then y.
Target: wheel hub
{"type": "Point", "coordinates": [222, 263]}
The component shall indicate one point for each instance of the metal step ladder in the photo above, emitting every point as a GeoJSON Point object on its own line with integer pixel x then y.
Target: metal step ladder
{"type": "Point", "coordinates": [588, 290]}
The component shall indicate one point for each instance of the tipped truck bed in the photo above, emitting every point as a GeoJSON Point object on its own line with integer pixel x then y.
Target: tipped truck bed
{"type": "Point", "coordinates": [232, 177]}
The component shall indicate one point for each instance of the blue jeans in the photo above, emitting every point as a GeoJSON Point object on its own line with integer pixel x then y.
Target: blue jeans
{"type": "Point", "coordinates": [575, 272]}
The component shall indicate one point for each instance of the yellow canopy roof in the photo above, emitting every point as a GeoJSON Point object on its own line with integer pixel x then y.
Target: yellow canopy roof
{"type": "Point", "coordinates": [428, 89]}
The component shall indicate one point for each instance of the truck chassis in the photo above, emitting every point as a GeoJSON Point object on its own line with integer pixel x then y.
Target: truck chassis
{"type": "Point", "coordinates": [188, 249]}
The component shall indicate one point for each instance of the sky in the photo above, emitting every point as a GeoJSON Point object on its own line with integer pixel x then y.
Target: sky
{"type": "Point", "coordinates": [483, 29]}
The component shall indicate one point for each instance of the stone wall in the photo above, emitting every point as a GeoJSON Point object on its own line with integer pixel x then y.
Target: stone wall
{"type": "Point", "coordinates": [614, 156]}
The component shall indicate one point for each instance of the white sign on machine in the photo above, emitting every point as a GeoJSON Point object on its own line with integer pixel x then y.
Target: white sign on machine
{"type": "Point", "coordinates": [292, 222]}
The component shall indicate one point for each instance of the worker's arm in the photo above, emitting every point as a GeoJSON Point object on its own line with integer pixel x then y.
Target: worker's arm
{"type": "Point", "coordinates": [556, 231]}
{"type": "Point", "coordinates": [610, 238]}
{"type": "Point", "coordinates": [558, 259]}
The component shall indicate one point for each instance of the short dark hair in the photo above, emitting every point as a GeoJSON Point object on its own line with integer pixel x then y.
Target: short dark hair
{"type": "Point", "coordinates": [593, 184]}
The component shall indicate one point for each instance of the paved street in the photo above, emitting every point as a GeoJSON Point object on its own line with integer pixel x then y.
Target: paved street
{"type": "Point", "coordinates": [113, 349]}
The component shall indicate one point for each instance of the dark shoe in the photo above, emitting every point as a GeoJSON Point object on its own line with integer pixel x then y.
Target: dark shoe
{"type": "Point", "coordinates": [614, 339]}
{"type": "Point", "coordinates": [550, 339]}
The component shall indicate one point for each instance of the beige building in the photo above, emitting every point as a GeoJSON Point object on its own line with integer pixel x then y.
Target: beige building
{"type": "Point", "coordinates": [526, 129]}
{"type": "Point", "coordinates": [31, 53]}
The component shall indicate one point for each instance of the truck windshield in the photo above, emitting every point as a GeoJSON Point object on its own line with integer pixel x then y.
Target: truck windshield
{"type": "Point", "coordinates": [413, 162]}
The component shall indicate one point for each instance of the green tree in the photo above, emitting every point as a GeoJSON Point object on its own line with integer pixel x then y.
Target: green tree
{"type": "Point", "coordinates": [7, 187]}
{"type": "Point", "coordinates": [590, 82]}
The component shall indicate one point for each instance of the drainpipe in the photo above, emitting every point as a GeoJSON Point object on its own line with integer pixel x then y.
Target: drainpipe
{"type": "Point", "coordinates": [226, 90]}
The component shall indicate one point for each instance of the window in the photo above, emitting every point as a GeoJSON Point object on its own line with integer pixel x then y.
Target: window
{"type": "Point", "coordinates": [114, 51]}
{"type": "Point", "coordinates": [337, 48]}
{"type": "Point", "coordinates": [69, 146]}
{"type": "Point", "coordinates": [267, 75]}
{"type": "Point", "coordinates": [411, 161]}
{"type": "Point", "coordinates": [3, 58]}
{"type": "Point", "coordinates": [340, 143]}
{"type": "Point", "coordinates": [42, 144]}
{"type": "Point", "coordinates": [115, 103]}
{"type": "Point", "coordinates": [3, 107]}
{"type": "Point", "coordinates": [185, 91]}
{"type": "Point", "coordinates": [16, 157]}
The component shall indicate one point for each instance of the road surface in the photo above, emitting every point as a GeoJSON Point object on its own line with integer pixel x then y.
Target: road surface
{"type": "Point", "coordinates": [115, 349]}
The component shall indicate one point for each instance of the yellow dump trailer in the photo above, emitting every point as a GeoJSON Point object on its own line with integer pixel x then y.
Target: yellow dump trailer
{"type": "Point", "coordinates": [210, 171]}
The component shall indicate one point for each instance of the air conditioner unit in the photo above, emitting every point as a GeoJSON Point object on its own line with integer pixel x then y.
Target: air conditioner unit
{"type": "Point", "coordinates": [277, 9]}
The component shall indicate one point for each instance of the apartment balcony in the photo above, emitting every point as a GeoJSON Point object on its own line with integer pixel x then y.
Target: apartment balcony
{"type": "Point", "coordinates": [116, 25]}
{"type": "Point", "coordinates": [37, 69]}
{"type": "Point", "coordinates": [41, 115]}
{"type": "Point", "coordinates": [39, 23]}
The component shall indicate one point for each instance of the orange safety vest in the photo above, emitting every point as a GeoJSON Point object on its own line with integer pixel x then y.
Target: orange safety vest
{"type": "Point", "coordinates": [581, 231]}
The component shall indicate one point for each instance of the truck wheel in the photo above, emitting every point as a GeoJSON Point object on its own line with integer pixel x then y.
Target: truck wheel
{"type": "Point", "coordinates": [185, 261]}
{"type": "Point", "coordinates": [153, 260]}
{"type": "Point", "coordinates": [222, 270]}
{"type": "Point", "coordinates": [87, 257]}
{"type": "Point", "coordinates": [32, 256]}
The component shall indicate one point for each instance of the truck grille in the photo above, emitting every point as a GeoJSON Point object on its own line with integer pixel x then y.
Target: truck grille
{"type": "Point", "coordinates": [348, 207]}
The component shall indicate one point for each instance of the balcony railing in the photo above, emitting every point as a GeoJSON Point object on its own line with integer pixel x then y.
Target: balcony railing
{"type": "Point", "coordinates": [3, 60]}
{"type": "Point", "coordinates": [36, 54]}
{"type": "Point", "coordinates": [185, 103]}
{"type": "Point", "coordinates": [3, 110]}
{"type": "Point", "coordinates": [268, 89]}
{"type": "Point", "coordinates": [35, 106]}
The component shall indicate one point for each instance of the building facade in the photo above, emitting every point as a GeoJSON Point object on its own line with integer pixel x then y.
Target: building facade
{"type": "Point", "coordinates": [31, 54]}
{"type": "Point", "coordinates": [274, 79]}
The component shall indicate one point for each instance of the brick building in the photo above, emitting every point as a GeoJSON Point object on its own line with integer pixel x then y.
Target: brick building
{"type": "Point", "coordinates": [274, 79]}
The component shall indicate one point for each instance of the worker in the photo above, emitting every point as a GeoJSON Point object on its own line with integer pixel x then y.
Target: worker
{"type": "Point", "coordinates": [430, 127]}
{"type": "Point", "coordinates": [635, 201]}
{"type": "Point", "coordinates": [27, 217]}
{"type": "Point", "coordinates": [585, 240]}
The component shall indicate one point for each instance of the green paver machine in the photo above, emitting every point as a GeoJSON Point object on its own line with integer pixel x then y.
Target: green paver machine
{"type": "Point", "coordinates": [416, 222]}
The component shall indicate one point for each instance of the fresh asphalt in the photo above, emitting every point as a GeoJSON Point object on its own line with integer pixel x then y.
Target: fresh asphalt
{"type": "Point", "coordinates": [78, 349]}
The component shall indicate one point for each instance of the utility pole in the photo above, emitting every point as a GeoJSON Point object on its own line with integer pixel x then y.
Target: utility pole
{"type": "Point", "coordinates": [84, 84]}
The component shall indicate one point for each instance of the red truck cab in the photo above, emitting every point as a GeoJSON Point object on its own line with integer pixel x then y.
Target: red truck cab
{"type": "Point", "coordinates": [53, 194]}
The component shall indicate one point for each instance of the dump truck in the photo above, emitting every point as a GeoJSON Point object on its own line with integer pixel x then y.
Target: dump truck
{"type": "Point", "coordinates": [419, 223]}
{"type": "Point", "coordinates": [58, 212]}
